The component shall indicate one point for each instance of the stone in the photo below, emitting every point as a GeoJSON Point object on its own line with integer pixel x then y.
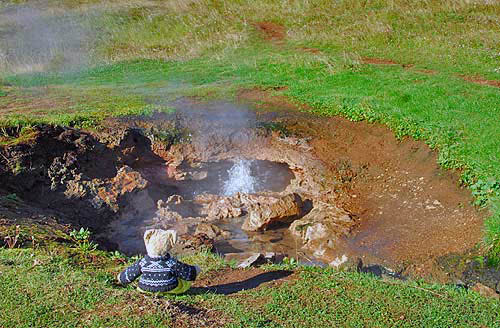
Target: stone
{"type": "Point", "coordinates": [175, 199]}
{"type": "Point", "coordinates": [216, 207]}
{"type": "Point", "coordinates": [272, 257]}
{"type": "Point", "coordinates": [497, 287]}
{"type": "Point", "coordinates": [166, 214]}
{"type": "Point", "coordinates": [254, 260]}
{"type": "Point", "coordinates": [189, 244]}
{"type": "Point", "coordinates": [271, 210]}
{"type": "Point", "coordinates": [197, 176]}
{"type": "Point", "coordinates": [210, 230]}
{"type": "Point", "coordinates": [339, 261]}
{"type": "Point", "coordinates": [485, 291]}
{"type": "Point", "coordinates": [322, 226]}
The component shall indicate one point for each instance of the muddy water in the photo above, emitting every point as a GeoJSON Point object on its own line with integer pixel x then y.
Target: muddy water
{"type": "Point", "coordinates": [219, 178]}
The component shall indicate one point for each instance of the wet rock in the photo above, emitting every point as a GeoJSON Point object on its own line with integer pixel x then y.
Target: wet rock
{"type": "Point", "coordinates": [254, 260]}
{"type": "Point", "coordinates": [198, 175]}
{"type": "Point", "coordinates": [485, 291]}
{"type": "Point", "coordinates": [188, 244]}
{"type": "Point", "coordinates": [165, 212]}
{"type": "Point", "coordinates": [174, 199]}
{"type": "Point", "coordinates": [322, 226]}
{"type": "Point", "coordinates": [460, 284]}
{"type": "Point", "coordinates": [212, 231]}
{"type": "Point", "coordinates": [379, 271]}
{"type": "Point", "coordinates": [272, 257]}
{"type": "Point", "coordinates": [215, 207]}
{"type": "Point", "coordinates": [266, 211]}
{"type": "Point", "coordinates": [62, 169]}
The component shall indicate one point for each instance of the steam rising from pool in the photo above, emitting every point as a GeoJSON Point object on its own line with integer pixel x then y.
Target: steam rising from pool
{"type": "Point", "coordinates": [240, 179]}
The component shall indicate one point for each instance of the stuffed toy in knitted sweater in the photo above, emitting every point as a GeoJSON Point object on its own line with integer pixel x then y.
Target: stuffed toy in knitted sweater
{"type": "Point", "coordinates": [158, 271]}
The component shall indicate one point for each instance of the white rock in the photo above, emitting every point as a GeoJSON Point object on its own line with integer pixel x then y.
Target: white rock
{"type": "Point", "coordinates": [339, 261]}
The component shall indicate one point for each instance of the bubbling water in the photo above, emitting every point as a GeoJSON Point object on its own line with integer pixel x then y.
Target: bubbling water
{"type": "Point", "coordinates": [240, 179]}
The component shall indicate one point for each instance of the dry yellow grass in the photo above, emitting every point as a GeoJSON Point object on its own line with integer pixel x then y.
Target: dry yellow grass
{"type": "Point", "coordinates": [455, 35]}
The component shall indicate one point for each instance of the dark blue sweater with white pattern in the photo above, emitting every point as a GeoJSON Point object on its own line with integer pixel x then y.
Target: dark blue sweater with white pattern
{"type": "Point", "coordinates": [158, 274]}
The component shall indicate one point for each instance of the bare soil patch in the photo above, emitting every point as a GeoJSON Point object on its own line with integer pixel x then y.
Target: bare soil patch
{"type": "Point", "coordinates": [263, 99]}
{"type": "Point", "coordinates": [180, 314]}
{"type": "Point", "coordinates": [232, 281]}
{"type": "Point", "coordinates": [378, 61]}
{"type": "Point", "coordinates": [271, 31]}
{"type": "Point", "coordinates": [481, 81]}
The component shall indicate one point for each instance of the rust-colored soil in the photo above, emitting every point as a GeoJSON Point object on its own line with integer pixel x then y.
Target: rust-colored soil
{"type": "Point", "coordinates": [265, 100]}
{"type": "Point", "coordinates": [378, 61]}
{"type": "Point", "coordinates": [410, 210]}
{"type": "Point", "coordinates": [480, 80]}
{"type": "Point", "coordinates": [271, 31]}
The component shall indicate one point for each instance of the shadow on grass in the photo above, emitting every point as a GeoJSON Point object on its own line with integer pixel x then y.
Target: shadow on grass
{"type": "Point", "coordinates": [234, 287]}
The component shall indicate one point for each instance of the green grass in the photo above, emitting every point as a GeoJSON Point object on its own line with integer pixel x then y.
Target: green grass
{"type": "Point", "coordinates": [56, 287]}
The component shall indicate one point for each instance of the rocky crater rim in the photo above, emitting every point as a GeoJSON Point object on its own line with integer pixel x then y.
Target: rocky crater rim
{"type": "Point", "coordinates": [121, 182]}
{"type": "Point", "coordinates": [345, 189]}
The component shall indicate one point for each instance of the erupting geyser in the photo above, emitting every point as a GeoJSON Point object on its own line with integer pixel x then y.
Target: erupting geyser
{"type": "Point", "coordinates": [240, 179]}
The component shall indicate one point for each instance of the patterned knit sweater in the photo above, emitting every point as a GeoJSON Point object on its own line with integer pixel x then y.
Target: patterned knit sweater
{"type": "Point", "coordinates": [158, 274]}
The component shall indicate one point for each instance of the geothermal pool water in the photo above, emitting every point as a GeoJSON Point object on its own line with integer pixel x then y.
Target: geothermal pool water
{"type": "Point", "coordinates": [222, 178]}
{"type": "Point", "coordinates": [240, 179]}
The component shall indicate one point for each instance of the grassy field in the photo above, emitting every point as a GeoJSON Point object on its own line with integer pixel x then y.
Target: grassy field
{"type": "Point", "coordinates": [63, 287]}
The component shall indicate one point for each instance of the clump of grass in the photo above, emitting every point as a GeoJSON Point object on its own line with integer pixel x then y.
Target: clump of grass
{"type": "Point", "coordinates": [169, 136]}
{"type": "Point", "coordinates": [82, 239]}
{"type": "Point", "coordinates": [278, 127]}
{"type": "Point", "coordinates": [11, 241]}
